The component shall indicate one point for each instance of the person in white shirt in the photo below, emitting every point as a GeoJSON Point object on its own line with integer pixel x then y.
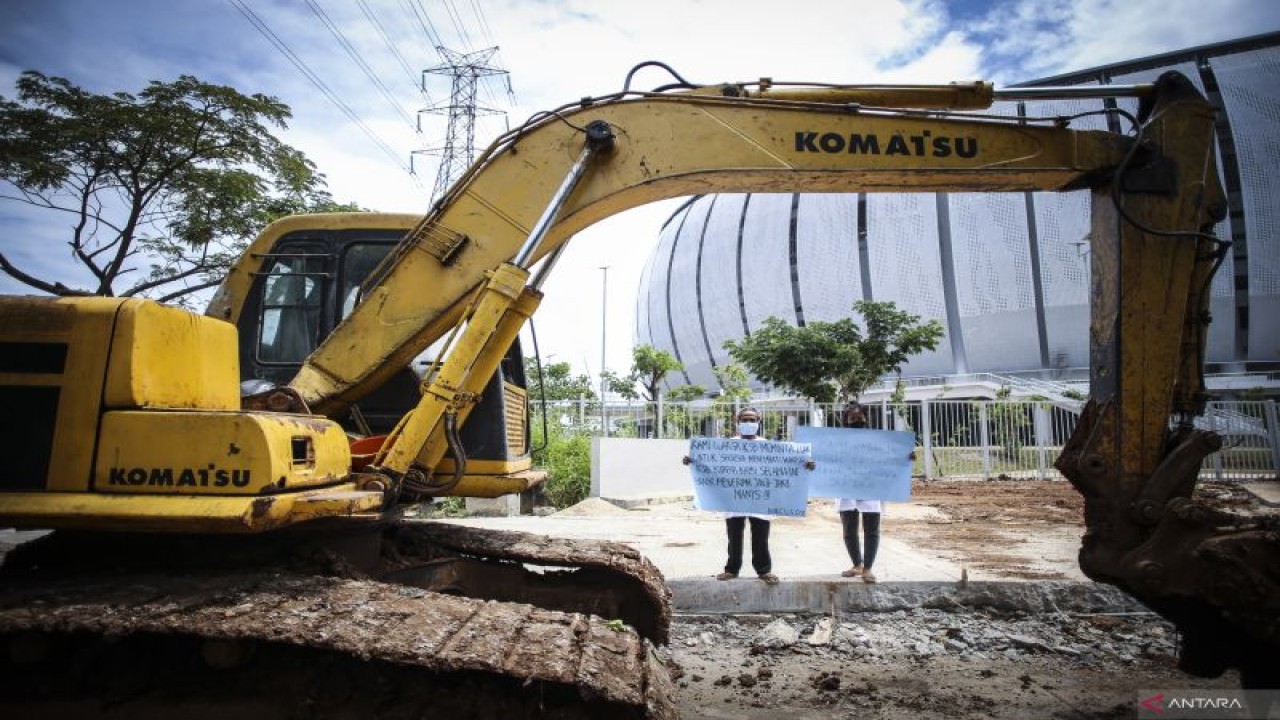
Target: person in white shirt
{"type": "Point", "coordinates": [735, 523]}
{"type": "Point", "coordinates": [863, 557]}
{"type": "Point", "coordinates": [862, 554]}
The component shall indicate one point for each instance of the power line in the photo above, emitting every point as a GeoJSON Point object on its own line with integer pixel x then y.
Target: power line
{"type": "Point", "coordinates": [386, 39]}
{"type": "Point", "coordinates": [283, 47]}
{"type": "Point", "coordinates": [417, 12]}
{"type": "Point", "coordinates": [486, 34]}
{"type": "Point", "coordinates": [359, 61]}
{"type": "Point", "coordinates": [457, 22]}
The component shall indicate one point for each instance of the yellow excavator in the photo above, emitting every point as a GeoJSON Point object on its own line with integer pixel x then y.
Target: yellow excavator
{"type": "Point", "coordinates": [226, 491]}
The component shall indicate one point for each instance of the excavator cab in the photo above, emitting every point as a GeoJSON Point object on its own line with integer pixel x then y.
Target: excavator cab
{"type": "Point", "coordinates": [311, 276]}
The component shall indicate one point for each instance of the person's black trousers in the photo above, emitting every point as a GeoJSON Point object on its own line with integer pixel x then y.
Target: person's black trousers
{"type": "Point", "coordinates": [870, 528]}
{"type": "Point", "coordinates": [760, 559]}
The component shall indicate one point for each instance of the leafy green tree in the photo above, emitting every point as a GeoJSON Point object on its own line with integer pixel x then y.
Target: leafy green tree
{"type": "Point", "coordinates": [735, 383]}
{"type": "Point", "coordinates": [891, 337]}
{"type": "Point", "coordinates": [830, 361]}
{"type": "Point", "coordinates": [735, 391]}
{"type": "Point", "coordinates": [623, 385]}
{"type": "Point", "coordinates": [803, 361]}
{"type": "Point", "coordinates": [685, 393]}
{"type": "Point", "coordinates": [649, 367]}
{"type": "Point", "coordinates": [179, 176]}
{"type": "Point", "coordinates": [676, 418]}
{"type": "Point", "coordinates": [557, 381]}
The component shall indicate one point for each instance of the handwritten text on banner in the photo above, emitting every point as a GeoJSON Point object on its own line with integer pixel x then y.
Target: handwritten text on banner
{"type": "Point", "coordinates": [860, 464]}
{"type": "Point", "coordinates": [750, 476]}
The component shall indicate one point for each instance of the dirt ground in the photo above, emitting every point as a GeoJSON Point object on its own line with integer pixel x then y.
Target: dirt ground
{"type": "Point", "coordinates": [1003, 529]}
{"type": "Point", "coordinates": [935, 664]}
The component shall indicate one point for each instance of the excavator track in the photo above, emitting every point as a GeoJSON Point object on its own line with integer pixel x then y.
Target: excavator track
{"type": "Point", "coordinates": [608, 579]}
{"type": "Point", "coordinates": [289, 626]}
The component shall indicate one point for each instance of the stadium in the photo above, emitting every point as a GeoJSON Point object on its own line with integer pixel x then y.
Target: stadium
{"type": "Point", "coordinates": [1007, 274]}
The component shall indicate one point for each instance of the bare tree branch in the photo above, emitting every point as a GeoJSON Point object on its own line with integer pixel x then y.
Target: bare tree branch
{"type": "Point", "coordinates": [149, 284]}
{"type": "Point", "coordinates": [51, 288]}
{"type": "Point", "coordinates": [39, 200]}
{"type": "Point", "coordinates": [189, 290]}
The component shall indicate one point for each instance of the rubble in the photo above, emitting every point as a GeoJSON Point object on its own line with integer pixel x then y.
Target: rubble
{"type": "Point", "coordinates": [925, 663]}
{"type": "Point", "coordinates": [907, 634]}
{"type": "Point", "coordinates": [777, 634]}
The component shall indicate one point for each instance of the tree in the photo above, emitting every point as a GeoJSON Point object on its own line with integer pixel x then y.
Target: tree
{"type": "Point", "coordinates": [735, 390]}
{"type": "Point", "coordinates": [685, 393]}
{"type": "Point", "coordinates": [557, 381]}
{"type": "Point", "coordinates": [830, 361]}
{"type": "Point", "coordinates": [735, 383]}
{"type": "Point", "coordinates": [180, 176]}
{"type": "Point", "coordinates": [624, 385]}
{"type": "Point", "coordinates": [649, 367]}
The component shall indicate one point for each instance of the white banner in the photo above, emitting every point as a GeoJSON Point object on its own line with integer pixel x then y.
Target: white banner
{"type": "Point", "coordinates": [750, 476]}
{"type": "Point", "coordinates": [860, 464]}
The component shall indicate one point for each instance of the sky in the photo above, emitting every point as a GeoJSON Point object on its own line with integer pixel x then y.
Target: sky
{"type": "Point", "coordinates": [371, 54]}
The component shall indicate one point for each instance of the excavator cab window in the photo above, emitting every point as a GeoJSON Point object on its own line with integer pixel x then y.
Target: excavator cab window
{"type": "Point", "coordinates": [292, 301]}
{"type": "Point", "coordinates": [358, 260]}
{"type": "Point", "coordinates": [309, 283]}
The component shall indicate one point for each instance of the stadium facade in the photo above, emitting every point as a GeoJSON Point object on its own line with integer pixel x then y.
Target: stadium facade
{"type": "Point", "coordinates": [1007, 274]}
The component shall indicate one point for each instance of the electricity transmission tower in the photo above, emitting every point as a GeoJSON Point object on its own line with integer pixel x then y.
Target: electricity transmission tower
{"type": "Point", "coordinates": [458, 150]}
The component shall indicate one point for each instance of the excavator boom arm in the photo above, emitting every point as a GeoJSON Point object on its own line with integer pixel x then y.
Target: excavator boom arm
{"type": "Point", "coordinates": [669, 146]}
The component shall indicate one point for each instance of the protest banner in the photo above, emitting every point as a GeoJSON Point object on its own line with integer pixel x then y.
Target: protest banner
{"type": "Point", "coordinates": [859, 463]}
{"type": "Point", "coordinates": [750, 476]}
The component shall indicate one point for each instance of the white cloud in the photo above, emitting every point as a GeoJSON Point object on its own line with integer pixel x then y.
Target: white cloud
{"type": "Point", "coordinates": [1036, 38]}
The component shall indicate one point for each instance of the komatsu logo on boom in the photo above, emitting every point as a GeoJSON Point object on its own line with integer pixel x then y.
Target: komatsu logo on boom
{"type": "Point", "coordinates": [922, 145]}
{"type": "Point", "coordinates": [211, 476]}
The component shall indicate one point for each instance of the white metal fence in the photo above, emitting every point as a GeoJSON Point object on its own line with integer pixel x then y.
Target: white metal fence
{"type": "Point", "coordinates": [954, 438]}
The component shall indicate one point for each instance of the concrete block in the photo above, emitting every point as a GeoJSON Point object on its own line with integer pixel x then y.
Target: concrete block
{"type": "Point", "coordinates": [630, 468]}
{"type": "Point", "coordinates": [504, 506]}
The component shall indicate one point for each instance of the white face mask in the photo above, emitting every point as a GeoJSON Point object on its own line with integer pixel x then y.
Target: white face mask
{"type": "Point", "coordinates": [748, 428]}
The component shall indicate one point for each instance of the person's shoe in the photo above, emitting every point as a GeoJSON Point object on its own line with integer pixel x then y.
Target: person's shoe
{"type": "Point", "coordinates": [867, 577]}
{"type": "Point", "coordinates": [769, 578]}
{"type": "Point", "coordinates": [854, 571]}
{"type": "Point", "coordinates": [726, 576]}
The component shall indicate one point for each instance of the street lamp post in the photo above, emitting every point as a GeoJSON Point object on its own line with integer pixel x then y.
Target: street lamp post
{"type": "Point", "coordinates": [604, 325]}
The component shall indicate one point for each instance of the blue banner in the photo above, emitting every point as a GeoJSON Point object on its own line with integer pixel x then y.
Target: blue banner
{"type": "Point", "coordinates": [859, 464]}
{"type": "Point", "coordinates": [760, 477]}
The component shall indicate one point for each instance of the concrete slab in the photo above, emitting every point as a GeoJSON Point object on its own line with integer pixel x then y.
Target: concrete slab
{"type": "Point", "coordinates": [1267, 491]}
{"type": "Point", "coordinates": [687, 544]}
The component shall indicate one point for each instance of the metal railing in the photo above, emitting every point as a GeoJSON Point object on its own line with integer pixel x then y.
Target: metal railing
{"type": "Point", "coordinates": [954, 438]}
